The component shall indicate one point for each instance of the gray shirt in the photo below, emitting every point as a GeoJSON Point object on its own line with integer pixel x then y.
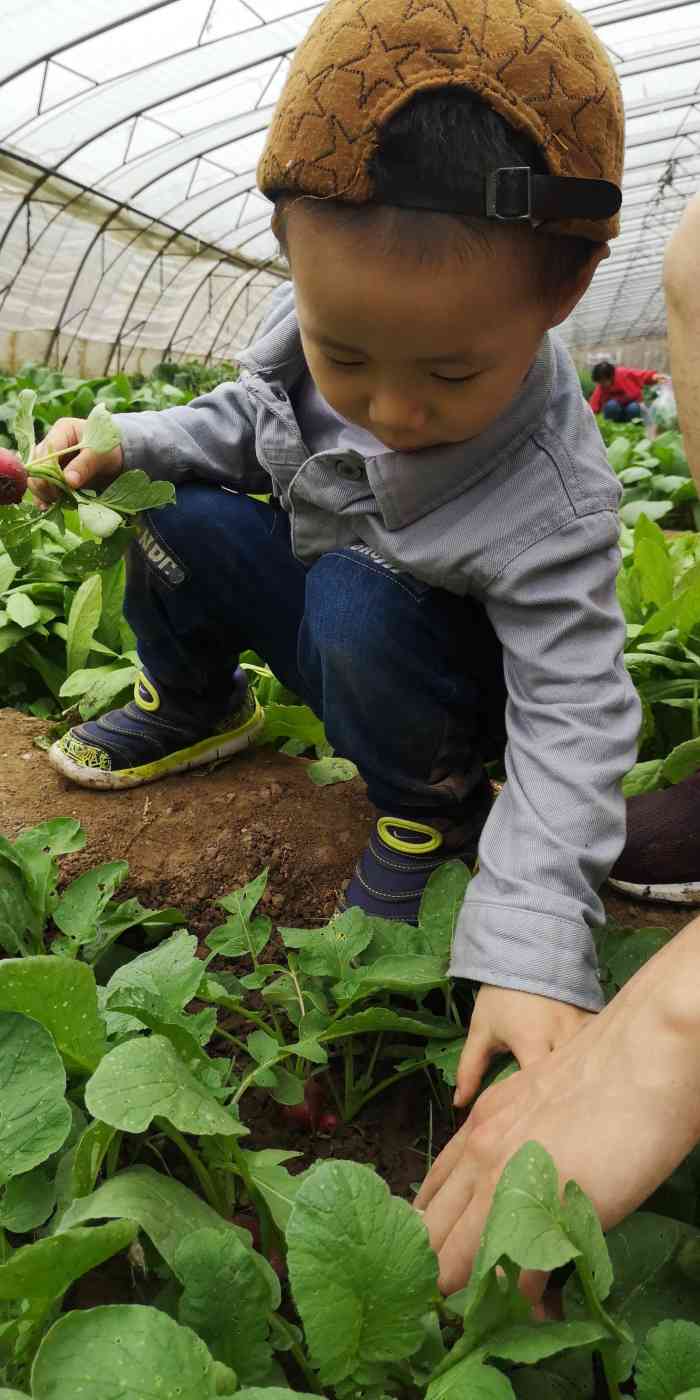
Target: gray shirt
{"type": "Point", "coordinates": [522, 517]}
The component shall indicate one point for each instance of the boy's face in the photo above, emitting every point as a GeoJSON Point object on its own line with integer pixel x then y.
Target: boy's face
{"type": "Point", "coordinates": [419, 353]}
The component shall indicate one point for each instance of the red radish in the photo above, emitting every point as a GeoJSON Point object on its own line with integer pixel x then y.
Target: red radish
{"type": "Point", "coordinates": [298, 1118]}
{"type": "Point", "coordinates": [328, 1123]}
{"type": "Point", "coordinates": [249, 1223]}
{"type": "Point", "coordinates": [252, 1225]}
{"type": "Point", "coordinates": [304, 1117]}
{"type": "Point", "coordinates": [13, 479]}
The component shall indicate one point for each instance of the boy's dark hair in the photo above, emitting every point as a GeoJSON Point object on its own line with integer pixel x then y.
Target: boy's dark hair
{"type": "Point", "coordinates": [603, 370]}
{"type": "Point", "coordinates": [424, 151]}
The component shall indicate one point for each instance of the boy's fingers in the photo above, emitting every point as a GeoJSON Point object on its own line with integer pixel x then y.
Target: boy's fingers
{"type": "Point", "coordinates": [44, 495]}
{"type": "Point", "coordinates": [81, 469]}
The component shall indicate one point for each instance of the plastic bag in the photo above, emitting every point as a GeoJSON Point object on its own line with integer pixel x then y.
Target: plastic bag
{"type": "Point", "coordinates": [662, 409]}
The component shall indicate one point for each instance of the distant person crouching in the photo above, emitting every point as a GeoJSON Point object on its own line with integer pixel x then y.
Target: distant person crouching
{"type": "Point", "coordinates": [618, 391]}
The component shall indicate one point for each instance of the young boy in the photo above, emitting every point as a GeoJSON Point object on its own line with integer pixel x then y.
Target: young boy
{"type": "Point", "coordinates": [619, 1109]}
{"type": "Point", "coordinates": [441, 544]}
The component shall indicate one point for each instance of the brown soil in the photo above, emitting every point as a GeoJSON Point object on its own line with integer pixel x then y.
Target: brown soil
{"type": "Point", "coordinates": [195, 837]}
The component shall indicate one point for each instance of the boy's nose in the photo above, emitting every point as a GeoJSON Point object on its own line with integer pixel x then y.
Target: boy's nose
{"type": "Point", "coordinates": [393, 411]}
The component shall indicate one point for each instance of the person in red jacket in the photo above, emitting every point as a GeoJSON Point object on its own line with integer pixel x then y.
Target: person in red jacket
{"type": "Point", "coordinates": [618, 391]}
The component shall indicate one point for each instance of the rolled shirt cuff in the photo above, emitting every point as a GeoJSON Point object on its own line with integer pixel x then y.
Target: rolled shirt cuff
{"type": "Point", "coordinates": [145, 446]}
{"type": "Point", "coordinates": [527, 951]}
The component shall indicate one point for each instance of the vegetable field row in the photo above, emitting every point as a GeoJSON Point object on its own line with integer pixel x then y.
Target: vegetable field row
{"type": "Point", "coordinates": [131, 1058]}
{"type": "Point", "coordinates": [124, 1133]}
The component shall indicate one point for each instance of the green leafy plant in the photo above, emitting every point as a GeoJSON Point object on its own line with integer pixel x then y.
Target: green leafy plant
{"type": "Point", "coordinates": [654, 474]}
{"type": "Point", "coordinates": [659, 590]}
{"type": "Point", "coordinates": [101, 1081]}
{"type": "Point", "coordinates": [86, 915]}
{"type": "Point", "coordinates": [354, 990]}
{"type": "Point", "coordinates": [61, 577]}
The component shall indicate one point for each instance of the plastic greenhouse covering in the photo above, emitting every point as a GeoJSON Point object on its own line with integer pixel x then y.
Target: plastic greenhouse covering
{"type": "Point", "coordinates": [130, 226]}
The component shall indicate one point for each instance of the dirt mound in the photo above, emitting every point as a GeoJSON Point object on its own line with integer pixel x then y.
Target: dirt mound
{"type": "Point", "coordinates": [191, 838]}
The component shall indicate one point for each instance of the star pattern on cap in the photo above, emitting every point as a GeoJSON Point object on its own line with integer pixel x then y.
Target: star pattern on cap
{"type": "Point", "coordinates": [535, 28]}
{"type": "Point", "coordinates": [339, 151]}
{"type": "Point", "coordinates": [466, 47]}
{"type": "Point", "coordinates": [416, 8]}
{"type": "Point", "coordinates": [379, 65]}
{"type": "Point", "coordinates": [536, 62]}
{"type": "Point", "coordinates": [569, 106]}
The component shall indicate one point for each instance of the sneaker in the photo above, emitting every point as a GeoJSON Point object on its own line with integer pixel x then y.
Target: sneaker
{"type": "Point", "coordinates": [395, 867]}
{"type": "Point", "coordinates": [153, 736]}
{"type": "Point", "coordinates": [661, 860]}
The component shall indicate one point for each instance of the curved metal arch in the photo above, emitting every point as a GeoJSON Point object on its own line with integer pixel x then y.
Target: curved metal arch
{"type": "Point", "coordinates": [656, 291]}
{"type": "Point", "coordinates": [655, 62]}
{"type": "Point", "coordinates": [617, 11]}
{"type": "Point", "coordinates": [271, 265]}
{"type": "Point", "coordinates": [119, 208]}
{"type": "Point", "coordinates": [229, 135]}
{"type": "Point", "coordinates": [54, 171]}
{"type": "Point", "coordinates": [100, 233]}
{"type": "Point", "coordinates": [70, 40]}
{"type": "Point", "coordinates": [222, 323]}
{"type": "Point", "coordinates": [161, 252]}
{"type": "Point", "coordinates": [240, 291]}
{"type": "Point", "coordinates": [186, 262]}
{"type": "Point", "coordinates": [192, 298]}
{"type": "Point", "coordinates": [243, 189]}
{"type": "Point", "coordinates": [663, 183]}
{"type": "Point", "coordinates": [268, 44]}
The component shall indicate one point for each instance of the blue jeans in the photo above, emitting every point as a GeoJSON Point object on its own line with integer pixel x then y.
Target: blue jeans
{"type": "Point", "coordinates": [621, 412]}
{"type": "Point", "coordinates": [408, 679]}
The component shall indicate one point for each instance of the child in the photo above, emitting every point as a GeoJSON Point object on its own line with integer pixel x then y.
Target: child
{"type": "Point", "coordinates": [441, 543]}
{"type": "Point", "coordinates": [618, 1109]}
{"type": "Point", "coordinates": [618, 392]}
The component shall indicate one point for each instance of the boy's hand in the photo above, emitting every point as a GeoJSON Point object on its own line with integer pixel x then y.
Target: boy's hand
{"type": "Point", "coordinates": [529, 1026]}
{"type": "Point", "coordinates": [85, 468]}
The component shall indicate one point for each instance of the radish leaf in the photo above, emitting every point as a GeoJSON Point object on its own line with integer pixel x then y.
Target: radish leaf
{"type": "Point", "coordinates": [362, 1270]}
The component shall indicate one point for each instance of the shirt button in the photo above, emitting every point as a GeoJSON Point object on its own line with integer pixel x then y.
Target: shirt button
{"type": "Point", "coordinates": [350, 471]}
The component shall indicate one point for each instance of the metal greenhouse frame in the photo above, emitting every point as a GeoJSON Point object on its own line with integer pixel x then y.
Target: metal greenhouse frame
{"type": "Point", "coordinates": [130, 225]}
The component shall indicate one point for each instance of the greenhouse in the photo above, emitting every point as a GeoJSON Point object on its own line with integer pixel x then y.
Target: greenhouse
{"type": "Point", "coordinates": [350, 700]}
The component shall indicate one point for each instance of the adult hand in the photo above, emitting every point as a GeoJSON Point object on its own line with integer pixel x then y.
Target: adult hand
{"type": "Point", "coordinates": [528, 1025]}
{"type": "Point", "coordinates": [80, 468]}
{"type": "Point", "coordinates": [617, 1107]}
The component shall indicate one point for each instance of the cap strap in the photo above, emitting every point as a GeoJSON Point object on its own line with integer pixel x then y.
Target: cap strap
{"type": "Point", "coordinates": [513, 194]}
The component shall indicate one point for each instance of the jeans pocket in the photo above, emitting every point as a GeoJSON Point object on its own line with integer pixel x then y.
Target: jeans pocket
{"type": "Point", "coordinates": [370, 559]}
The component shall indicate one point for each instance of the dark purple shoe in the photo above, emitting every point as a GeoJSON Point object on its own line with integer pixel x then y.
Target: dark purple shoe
{"type": "Point", "coordinates": [397, 863]}
{"type": "Point", "coordinates": [661, 860]}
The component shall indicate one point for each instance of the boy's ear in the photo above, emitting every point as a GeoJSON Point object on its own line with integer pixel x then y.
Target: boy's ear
{"type": "Point", "coordinates": [572, 296]}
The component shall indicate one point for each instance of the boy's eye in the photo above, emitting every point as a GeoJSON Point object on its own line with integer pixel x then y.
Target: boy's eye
{"type": "Point", "coordinates": [462, 379]}
{"type": "Point", "coordinates": [345, 364]}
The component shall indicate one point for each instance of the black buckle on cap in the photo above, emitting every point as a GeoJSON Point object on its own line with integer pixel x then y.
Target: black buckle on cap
{"type": "Point", "coordinates": [509, 194]}
{"type": "Point", "coordinates": [513, 194]}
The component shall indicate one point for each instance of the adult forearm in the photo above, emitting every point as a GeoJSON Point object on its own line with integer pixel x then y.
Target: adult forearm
{"type": "Point", "coordinates": [669, 985]}
{"type": "Point", "coordinates": [682, 287]}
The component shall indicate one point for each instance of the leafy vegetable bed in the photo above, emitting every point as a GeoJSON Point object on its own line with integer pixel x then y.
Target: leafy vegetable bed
{"type": "Point", "coordinates": [124, 1135]}
{"type": "Point", "coordinates": [135, 1062]}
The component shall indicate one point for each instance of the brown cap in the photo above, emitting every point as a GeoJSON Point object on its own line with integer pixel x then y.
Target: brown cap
{"type": "Point", "coordinates": [536, 62]}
